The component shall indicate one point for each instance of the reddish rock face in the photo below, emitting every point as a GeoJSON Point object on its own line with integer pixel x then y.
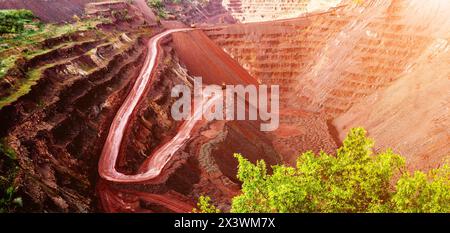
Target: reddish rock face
{"type": "Point", "coordinates": [205, 163]}
{"type": "Point", "coordinates": [358, 65]}
{"type": "Point", "coordinates": [57, 128]}
{"type": "Point", "coordinates": [247, 11]}
{"type": "Point", "coordinates": [205, 59]}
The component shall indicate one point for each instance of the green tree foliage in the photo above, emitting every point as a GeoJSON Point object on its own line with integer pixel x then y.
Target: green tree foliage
{"type": "Point", "coordinates": [354, 180]}
{"type": "Point", "coordinates": [204, 206]}
{"type": "Point", "coordinates": [13, 21]}
{"type": "Point", "coordinates": [424, 193]}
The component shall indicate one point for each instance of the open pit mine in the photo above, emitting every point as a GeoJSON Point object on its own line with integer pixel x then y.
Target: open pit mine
{"type": "Point", "coordinates": [86, 94]}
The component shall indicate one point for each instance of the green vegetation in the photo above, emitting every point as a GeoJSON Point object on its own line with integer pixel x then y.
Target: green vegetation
{"type": "Point", "coordinates": [355, 180]}
{"type": "Point", "coordinates": [158, 5]}
{"type": "Point", "coordinates": [6, 64]}
{"type": "Point", "coordinates": [8, 168]}
{"type": "Point", "coordinates": [423, 193]}
{"type": "Point", "coordinates": [14, 21]}
{"type": "Point", "coordinates": [45, 31]}
{"type": "Point", "coordinates": [27, 45]}
{"type": "Point", "coordinates": [6, 150]}
{"type": "Point", "coordinates": [204, 206]}
{"type": "Point", "coordinates": [122, 15]}
{"type": "Point", "coordinates": [16, 26]}
{"type": "Point", "coordinates": [32, 77]}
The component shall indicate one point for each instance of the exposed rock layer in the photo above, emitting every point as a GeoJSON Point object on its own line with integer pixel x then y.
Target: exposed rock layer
{"type": "Point", "coordinates": [57, 128]}
{"type": "Point", "coordinates": [364, 64]}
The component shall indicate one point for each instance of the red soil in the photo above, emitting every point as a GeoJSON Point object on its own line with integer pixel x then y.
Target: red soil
{"type": "Point", "coordinates": [204, 58]}
{"type": "Point", "coordinates": [330, 66]}
{"type": "Point", "coordinates": [148, 13]}
{"type": "Point", "coordinates": [383, 65]}
{"type": "Point", "coordinates": [126, 200]}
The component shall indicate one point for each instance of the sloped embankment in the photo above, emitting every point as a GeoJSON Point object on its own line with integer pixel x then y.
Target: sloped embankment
{"type": "Point", "coordinates": [268, 10]}
{"type": "Point", "coordinates": [58, 123]}
{"type": "Point", "coordinates": [357, 63]}
{"type": "Point", "coordinates": [204, 165]}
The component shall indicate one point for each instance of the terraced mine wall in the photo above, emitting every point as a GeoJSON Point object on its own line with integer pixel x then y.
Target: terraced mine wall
{"type": "Point", "coordinates": [356, 65]}
{"type": "Point", "coordinates": [211, 12]}
{"type": "Point", "coordinates": [205, 164]}
{"type": "Point", "coordinates": [220, 12]}
{"type": "Point", "coordinates": [57, 128]}
{"type": "Point", "coordinates": [268, 10]}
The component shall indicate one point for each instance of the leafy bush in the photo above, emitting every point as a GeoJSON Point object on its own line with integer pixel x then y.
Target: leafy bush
{"type": "Point", "coordinates": [423, 193]}
{"type": "Point", "coordinates": [355, 180]}
{"type": "Point", "coordinates": [13, 21]}
{"type": "Point", "coordinates": [204, 206]}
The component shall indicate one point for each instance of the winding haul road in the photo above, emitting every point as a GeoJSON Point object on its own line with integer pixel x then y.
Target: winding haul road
{"type": "Point", "coordinates": [152, 167]}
